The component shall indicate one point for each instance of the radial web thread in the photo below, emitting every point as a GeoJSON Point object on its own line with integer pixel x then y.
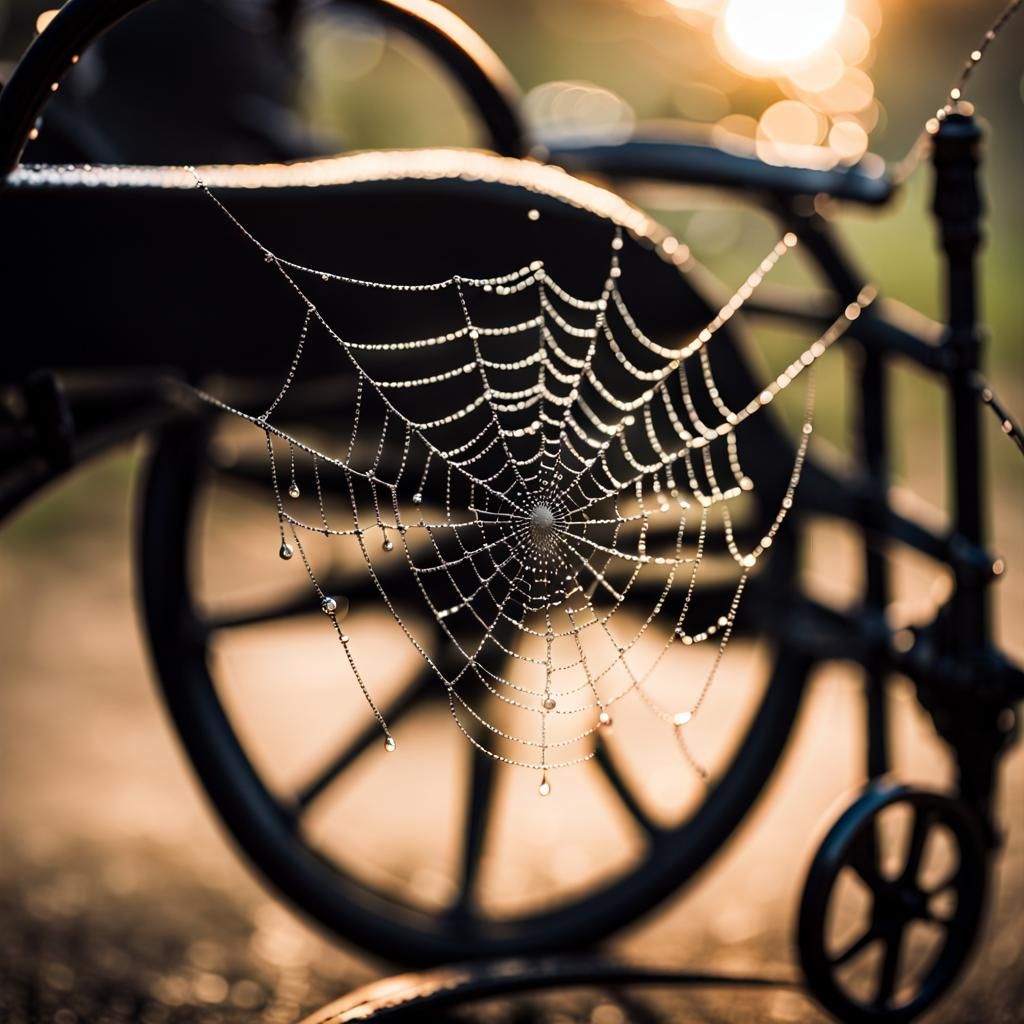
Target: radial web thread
{"type": "Point", "coordinates": [526, 498]}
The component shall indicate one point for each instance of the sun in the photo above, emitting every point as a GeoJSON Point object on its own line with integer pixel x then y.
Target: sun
{"type": "Point", "coordinates": [776, 33]}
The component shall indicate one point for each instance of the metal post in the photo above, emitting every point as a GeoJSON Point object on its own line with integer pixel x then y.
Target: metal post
{"type": "Point", "coordinates": [958, 208]}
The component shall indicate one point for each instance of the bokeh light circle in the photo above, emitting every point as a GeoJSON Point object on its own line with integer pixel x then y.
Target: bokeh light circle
{"type": "Point", "coordinates": [776, 32]}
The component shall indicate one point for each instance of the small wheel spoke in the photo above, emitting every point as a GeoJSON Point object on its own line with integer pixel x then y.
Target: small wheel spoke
{"type": "Point", "coordinates": [915, 848]}
{"type": "Point", "coordinates": [855, 948]}
{"type": "Point", "coordinates": [890, 966]}
{"type": "Point", "coordinates": [418, 690]}
{"type": "Point", "coordinates": [611, 772]}
{"type": "Point", "coordinates": [864, 857]}
{"type": "Point", "coordinates": [951, 881]}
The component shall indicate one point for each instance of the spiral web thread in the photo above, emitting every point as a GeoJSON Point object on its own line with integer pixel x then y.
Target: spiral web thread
{"type": "Point", "coordinates": [530, 499]}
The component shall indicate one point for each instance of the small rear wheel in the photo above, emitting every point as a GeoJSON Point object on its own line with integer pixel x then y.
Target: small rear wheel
{"type": "Point", "coordinates": [892, 904]}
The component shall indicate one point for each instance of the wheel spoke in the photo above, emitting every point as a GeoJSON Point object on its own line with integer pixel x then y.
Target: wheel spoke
{"type": "Point", "coordinates": [890, 966]}
{"type": "Point", "coordinates": [289, 606]}
{"type": "Point", "coordinates": [915, 848]}
{"type": "Point", "coordinates": [855, 948]}
{"type": "Point", "coordinates": [611, 772]}
{"type": "Point", "coordinates": [864, 857]}
{"type": "Point", "coordinates": [244, 472]}
{"type": "Point", "coordinates": [416, 692]}
{"type": "Point", "coordinates": [479, 804]}
{"type": "Point", "coordinates": [294, 603]}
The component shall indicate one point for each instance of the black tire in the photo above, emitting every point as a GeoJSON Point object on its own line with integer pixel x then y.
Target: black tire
{"type": "Point", "coordinates": [898, 900]}
{"type": "Point", "coordinates": [266, 828]}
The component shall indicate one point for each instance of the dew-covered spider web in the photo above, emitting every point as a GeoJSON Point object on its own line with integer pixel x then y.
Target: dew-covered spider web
{"type": "Point", "coordinates": [537, 474]}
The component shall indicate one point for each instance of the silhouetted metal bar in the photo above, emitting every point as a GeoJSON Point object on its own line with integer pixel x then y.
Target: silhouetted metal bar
{"type": "Point", "coordinates": [424, 994]}
{"type": "Point", "coordinates": [958, 209]}
{"type": "Point", "coordinates": [677, 158]}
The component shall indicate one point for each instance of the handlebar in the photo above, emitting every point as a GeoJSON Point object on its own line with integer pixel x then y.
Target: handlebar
{"type": "Point", "coordinates": [680, 160]}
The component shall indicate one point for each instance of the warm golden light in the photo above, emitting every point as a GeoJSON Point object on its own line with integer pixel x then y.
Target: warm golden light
{"type": "Point", "coordinates": [45, 18]}
{"type": "Point", "coordinates": [776, 33]}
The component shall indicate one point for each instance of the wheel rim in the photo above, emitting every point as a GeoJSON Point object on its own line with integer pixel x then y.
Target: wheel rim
{"type": "Point", "coordinates": [268, 830]}
{"type": "Point", "coordinates": [855, 983]}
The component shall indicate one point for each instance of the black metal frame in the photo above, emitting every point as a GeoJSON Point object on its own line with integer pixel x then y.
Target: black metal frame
{"type": "Point", "coordinates": [968, 686]}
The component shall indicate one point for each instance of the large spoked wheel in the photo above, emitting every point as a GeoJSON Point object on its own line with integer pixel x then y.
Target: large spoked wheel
{"type": "Point", "coordinates": [329, 834]}
{"type": "Point", "coordinates": [417, 867]}
{"type": "Point", "coordinates": [892, 904]}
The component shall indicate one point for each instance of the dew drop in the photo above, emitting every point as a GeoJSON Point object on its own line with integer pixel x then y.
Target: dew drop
{"type": "Point", "coordinates": [681, 718]}
{"type": "Point", "coordinates": [545, 787]}
{"type": "Point", "coordinates": [417, 498]}
{"type": "Point", "coordinates": [285, 551]}
{"type": "Point", "coordinates": [293, 490]}
{"type": "Point", "coordinates": [389, 744]}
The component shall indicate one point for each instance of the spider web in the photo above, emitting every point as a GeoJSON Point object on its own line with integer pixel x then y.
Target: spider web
{"type": "Point", "coordinates": [537, 476]}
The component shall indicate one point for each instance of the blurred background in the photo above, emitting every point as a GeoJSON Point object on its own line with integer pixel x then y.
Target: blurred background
{"type": "Point", "coordinates": [120, 896]}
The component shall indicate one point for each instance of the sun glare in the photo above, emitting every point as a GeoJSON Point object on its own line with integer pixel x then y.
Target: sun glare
{"type": "Point", "coordinates": [776, 33]}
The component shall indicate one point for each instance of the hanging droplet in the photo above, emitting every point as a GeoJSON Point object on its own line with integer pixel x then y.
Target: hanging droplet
{"type": "Point", "coordinates": [534, 215]}
{"type": "Point", "coordinates": [328, 606]}
{"type": "Point", "coordinates": [681, 718]}
{"type": "Point", "coordinates": [417, 498]}
{"type": "Point", "coordinates": [604, 719]}
{"type": "Point", "coordinates": [388, 545]}
{"type": "Point", "coordinates": [545, 787]}
{"type": "Point", "coordinates": [285, 551]}
{"type": "Point", "coordinates": [293, 490]}
{"type": "Point", "coordinates": [549, 703]}
{"type": "Point", "coordinates": [389, 744]}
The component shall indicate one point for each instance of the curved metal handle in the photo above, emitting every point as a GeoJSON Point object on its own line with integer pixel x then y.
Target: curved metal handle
{"type": "Point", "coordinates": [473, 64]}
